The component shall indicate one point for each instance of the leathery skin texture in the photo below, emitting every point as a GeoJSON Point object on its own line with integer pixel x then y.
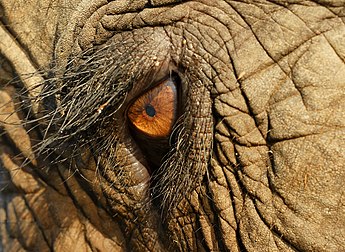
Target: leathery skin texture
{"type": "Point", "coordinates": [256, 157]}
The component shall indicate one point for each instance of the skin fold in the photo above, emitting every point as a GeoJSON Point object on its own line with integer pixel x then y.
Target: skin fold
{"type": "Point", "coordinates": [255, 160]}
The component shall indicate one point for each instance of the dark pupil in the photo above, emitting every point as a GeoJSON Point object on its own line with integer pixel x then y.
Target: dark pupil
{"type": "Point", "coordinates": [150, 111]}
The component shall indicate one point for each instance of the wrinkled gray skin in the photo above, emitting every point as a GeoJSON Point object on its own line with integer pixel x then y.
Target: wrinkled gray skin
{"type": "Point", "coordinates": [256, 160]}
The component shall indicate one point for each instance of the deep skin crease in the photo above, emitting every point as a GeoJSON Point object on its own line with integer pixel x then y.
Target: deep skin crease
{"type": "Point", "coordinates": [255, 161]}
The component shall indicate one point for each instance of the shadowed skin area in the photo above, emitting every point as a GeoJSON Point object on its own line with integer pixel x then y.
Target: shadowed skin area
{"type": "Point", "coordinates": [255, 160]}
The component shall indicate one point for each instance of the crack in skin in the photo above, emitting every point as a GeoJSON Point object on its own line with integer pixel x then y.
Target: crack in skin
{"type": "Point", "coordinates": [108, 52]}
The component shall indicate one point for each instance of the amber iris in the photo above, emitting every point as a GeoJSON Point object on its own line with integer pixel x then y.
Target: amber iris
{"type": "Point", "coordinates": [154, 113]}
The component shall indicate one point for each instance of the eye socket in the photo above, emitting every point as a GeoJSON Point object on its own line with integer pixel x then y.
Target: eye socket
{"type": "Point", "coordinates": [154, 113]}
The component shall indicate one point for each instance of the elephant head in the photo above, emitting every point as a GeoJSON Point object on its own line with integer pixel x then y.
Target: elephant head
{"type": "Point", "coordinates": [170, 125]}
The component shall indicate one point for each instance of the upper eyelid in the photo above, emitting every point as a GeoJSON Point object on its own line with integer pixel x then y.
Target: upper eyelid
{"type": "Point", "coordinates": [149, 79]}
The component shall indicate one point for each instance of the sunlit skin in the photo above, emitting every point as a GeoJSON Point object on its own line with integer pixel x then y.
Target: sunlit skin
{"type": "Point", "coordinates": [154, 112]}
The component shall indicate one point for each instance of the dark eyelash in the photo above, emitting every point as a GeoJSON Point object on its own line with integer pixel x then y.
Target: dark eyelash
{"type": "Point", "coordinates": [83, 99]}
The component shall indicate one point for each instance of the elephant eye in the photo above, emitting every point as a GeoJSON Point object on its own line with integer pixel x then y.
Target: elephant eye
{"type": "Point", "coordinates": [154, 113]}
